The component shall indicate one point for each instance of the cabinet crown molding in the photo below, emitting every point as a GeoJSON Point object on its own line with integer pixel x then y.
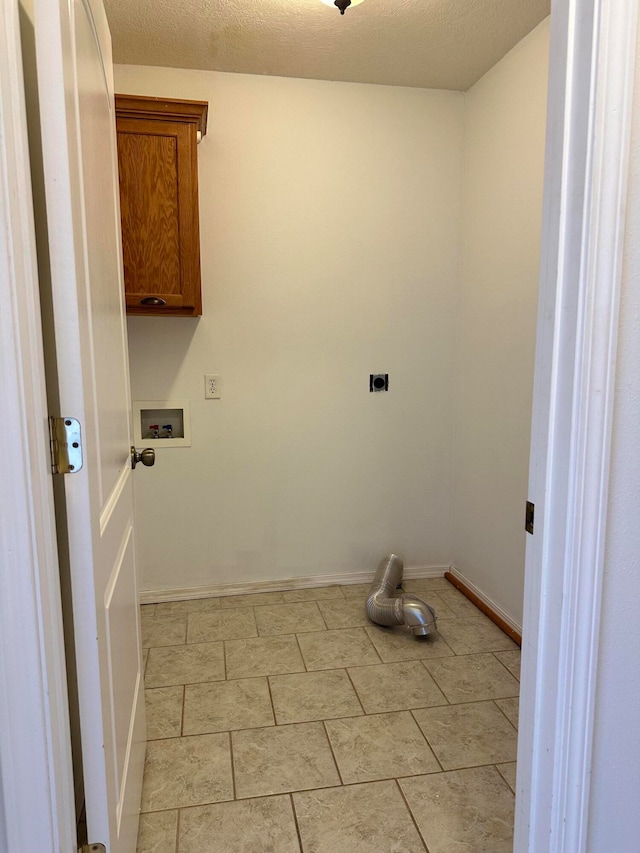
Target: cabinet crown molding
{"type": "Point", "coordinates": [169, 109]}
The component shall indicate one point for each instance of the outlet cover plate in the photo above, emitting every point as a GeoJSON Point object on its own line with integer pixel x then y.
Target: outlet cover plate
{"type": "Point", "coordinates": [212, 386]}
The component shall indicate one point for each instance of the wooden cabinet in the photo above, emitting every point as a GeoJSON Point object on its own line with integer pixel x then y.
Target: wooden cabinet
{"type": "Point", "coordinates": [157, 160]}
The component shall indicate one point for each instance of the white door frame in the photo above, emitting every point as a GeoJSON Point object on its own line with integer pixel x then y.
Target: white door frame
{"type": "Point", "coordinates": [591, 76]}
{"type": "Point", "coordinates": [593, 57]}
{"type": "Point", "coordinates": [36, 784]}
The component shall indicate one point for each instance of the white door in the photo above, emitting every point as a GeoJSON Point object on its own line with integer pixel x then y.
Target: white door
{"type": "Point", "coordinates": [75, 85]}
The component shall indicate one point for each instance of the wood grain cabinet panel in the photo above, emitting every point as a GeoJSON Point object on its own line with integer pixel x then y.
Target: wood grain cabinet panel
{"type": "Point", "coordinates": [158, 166]}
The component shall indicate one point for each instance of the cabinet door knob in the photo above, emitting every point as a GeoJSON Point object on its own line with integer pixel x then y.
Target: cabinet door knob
{"type": "Point", "coordinates": [153, 300]}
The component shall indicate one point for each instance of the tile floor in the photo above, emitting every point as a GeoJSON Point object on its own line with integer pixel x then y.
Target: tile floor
{"type": "Point", "coordinates": [285, 722]}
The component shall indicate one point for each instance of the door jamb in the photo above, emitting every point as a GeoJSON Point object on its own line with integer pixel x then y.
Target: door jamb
{"type": "Point", "coordinates": [593, 60]}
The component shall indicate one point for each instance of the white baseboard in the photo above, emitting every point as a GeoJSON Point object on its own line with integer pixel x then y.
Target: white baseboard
{"type": "Point", "coordinates": [155, 596]}
{"type": "Point", "coordinates": [516, 626]}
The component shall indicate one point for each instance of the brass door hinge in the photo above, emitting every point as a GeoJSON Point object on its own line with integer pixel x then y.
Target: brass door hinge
{"type": "Point", "coordinates": [65, 443]}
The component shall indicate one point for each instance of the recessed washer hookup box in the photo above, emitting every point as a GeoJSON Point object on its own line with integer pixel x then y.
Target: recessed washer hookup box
{"type": "Point", "coordinates": [162, 423]}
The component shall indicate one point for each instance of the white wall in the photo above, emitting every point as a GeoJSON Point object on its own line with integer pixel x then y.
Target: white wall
{"type": "Point", "coordinates": [614, 816]}
{"type": "Point", "coordinates": [502, 209]}
{"type": "Point", "coordinates": [330, 249]}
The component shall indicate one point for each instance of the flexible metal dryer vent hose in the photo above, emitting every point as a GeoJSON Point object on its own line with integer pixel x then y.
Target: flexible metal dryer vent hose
{"type": "Point", "coordinates": [385, 608]}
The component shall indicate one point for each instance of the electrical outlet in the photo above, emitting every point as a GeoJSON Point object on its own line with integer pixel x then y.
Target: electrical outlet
{"type": "Point", "coordinates": [378, 382]}
{"type": "Point", "coordinates": [212, 386]}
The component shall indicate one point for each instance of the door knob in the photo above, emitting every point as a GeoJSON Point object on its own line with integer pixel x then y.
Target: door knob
{"type": "Point", "coordinates": [146, 456]}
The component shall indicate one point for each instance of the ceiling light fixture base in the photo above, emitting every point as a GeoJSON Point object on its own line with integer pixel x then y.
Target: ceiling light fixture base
{"type": "Point", "coordinates": [342, 5]}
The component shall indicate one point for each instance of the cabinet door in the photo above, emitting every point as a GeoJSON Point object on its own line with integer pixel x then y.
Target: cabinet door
{"type": "Point", "coordinates": [159, 207]}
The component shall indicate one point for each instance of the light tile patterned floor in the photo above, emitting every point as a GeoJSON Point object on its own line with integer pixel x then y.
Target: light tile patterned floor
{"type": "Point", "coordinates": [285, 722]}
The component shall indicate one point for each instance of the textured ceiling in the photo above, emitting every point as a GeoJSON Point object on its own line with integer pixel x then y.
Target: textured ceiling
{"type": "Point", "coordinates": [442, 44]}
